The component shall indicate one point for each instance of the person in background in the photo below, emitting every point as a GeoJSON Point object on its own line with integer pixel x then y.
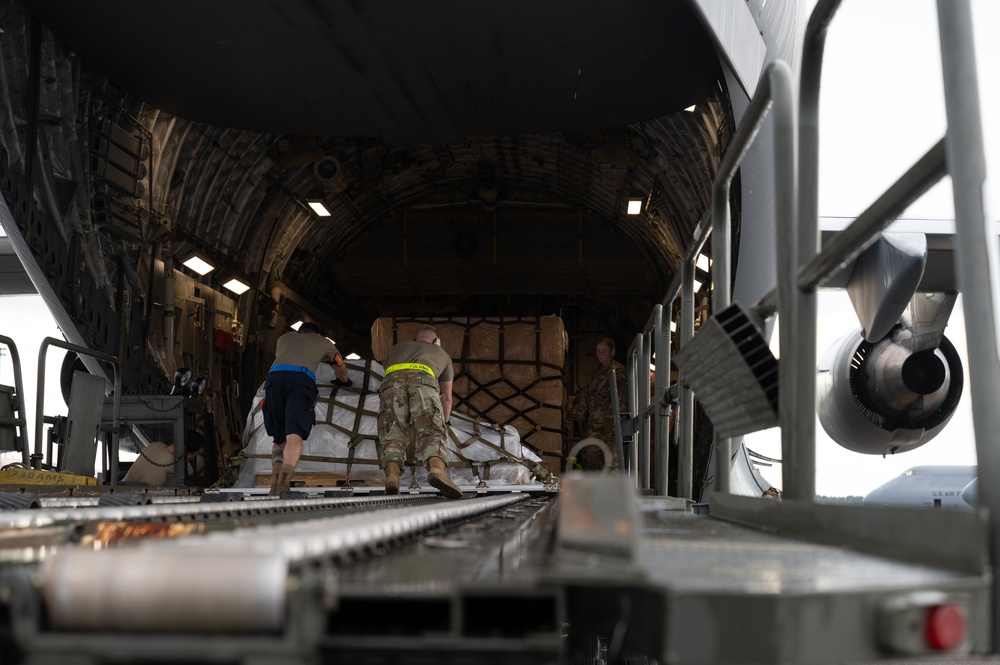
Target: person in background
{"type": "Point", "coordinates": [290, 396]}
{"type": "Point", "coordinates": [415, 397]}
{"type": "Point", "coordinates": [194, 449]}
{"type": "Point", "coordinates": [157, 460]}
{"type": "Point", "coordinates": [771, 493]}
{"type": "Point", "coordinates": [593, 409]}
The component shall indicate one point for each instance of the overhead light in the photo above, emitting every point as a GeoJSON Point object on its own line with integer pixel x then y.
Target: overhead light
{"type": "Point", "coordinates": [236, 285]}
{"type": "Point", "coordinates": [697, 286]}
{"type": "Point", "coordinates": [703, 262]}
{"type": "Point", "coordinates": [198, 264]}
{"type": "Point", "coordinates": [353, 356]}
{"type": "Point", "coordinates": [634, 205]}
{"type": "Point", "coordinates": [317, 202]}
{"type": "Point", "coordinates": [690, 109]}
{"type": "Point", "coordinates": [295, 326]}
{"type": "Point", "coordinates": [673, 326]}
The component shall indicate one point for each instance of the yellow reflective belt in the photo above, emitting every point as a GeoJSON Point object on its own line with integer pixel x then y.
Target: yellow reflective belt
{"type": "Point", "coordinates": [417, 366]}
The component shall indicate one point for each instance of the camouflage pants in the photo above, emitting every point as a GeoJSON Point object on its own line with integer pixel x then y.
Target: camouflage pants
{"type": "Point", "coordinates": [591, 458]}
{"type": "Point", "coordinates": [410, 401]}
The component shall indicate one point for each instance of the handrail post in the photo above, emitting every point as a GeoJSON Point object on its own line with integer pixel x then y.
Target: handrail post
{"type": "Point", "coordinates": [644, 360]}
{"type": "Point", "coordinates": [976, 258]}
{"type": "Point", "coordinates": [798, 308]}
{"type": "Point", "coordinates": [685, 396]}
{"type": "Point", "coordinates": [661, 346]}
{"type": "Point", "coordinates": [615, 398]}
{"type": "Point", "coordinates": [774, 91]}
{"type": "Point", "coordinates": [40, 398]}
{"type": "Point", "coordinates": [633, 407]}
{"type": "Point", "coordinates": [683, 435]}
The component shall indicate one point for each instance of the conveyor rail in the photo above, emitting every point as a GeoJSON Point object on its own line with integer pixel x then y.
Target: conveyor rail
{"type": "Point", "coordinates": [23, 519]}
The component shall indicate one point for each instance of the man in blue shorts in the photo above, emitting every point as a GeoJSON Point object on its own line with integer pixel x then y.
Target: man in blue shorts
{"type": "Point", "coordinates": [290, 396]}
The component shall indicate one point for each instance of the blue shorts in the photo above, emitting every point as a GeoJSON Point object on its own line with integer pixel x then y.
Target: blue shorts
{"type": "Point", "coordinates": [289, 404]}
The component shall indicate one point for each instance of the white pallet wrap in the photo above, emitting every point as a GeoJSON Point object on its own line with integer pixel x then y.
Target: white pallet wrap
{"type": "Point", "coordinates": [344, 439]}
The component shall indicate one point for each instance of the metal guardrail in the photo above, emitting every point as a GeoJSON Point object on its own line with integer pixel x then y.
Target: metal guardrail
{"type": "Point", "coordinates": [775, 94]}
{"type": "Point", "coordinates": [650, 348]}
{"type": "Point", "coordinates": [977, 256]}
{"type": "Point", "coordinates": [37, 456]}
{"type": "Point", "coordinates": [803, 268]}
{"type": "Point", "coordinates": [774, 97]}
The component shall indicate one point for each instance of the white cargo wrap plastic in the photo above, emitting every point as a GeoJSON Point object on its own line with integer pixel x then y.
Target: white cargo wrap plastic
{"type": "Point", "coordinates": [346, 434]}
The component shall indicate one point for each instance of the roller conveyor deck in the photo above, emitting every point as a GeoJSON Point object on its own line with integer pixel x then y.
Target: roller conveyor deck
{"type": "Point", "coordinates": [499, 577]}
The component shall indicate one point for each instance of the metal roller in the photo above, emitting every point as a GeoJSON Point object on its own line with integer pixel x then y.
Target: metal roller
{"type": "Point", "coordinates": [333, 536]}
{"type": "Point", "coordinates": [125, 499]}
{"type": "Point", "coordinates": [166, 589]}
{"type": "Point", "coordinates": [21, 519]}
{"type": "Point", "coordinates": [19, 501]}
{"type": "Point", "coordinates": [225, 582]}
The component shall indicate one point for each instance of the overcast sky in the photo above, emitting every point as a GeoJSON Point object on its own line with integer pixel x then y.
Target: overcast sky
{"type": "Point", "coordinates": [27, 321]}
{"type": "Point", "coordinates": [882, 108]}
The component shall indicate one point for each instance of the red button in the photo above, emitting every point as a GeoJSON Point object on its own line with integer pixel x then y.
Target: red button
{"type": "Point", "coordinates": [945, 627]}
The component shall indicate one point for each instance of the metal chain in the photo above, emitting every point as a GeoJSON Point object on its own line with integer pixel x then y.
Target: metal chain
{"type": "Point", "coordinates": [153, 408]}
{"type": "Point", "coordinates": [142, 453]}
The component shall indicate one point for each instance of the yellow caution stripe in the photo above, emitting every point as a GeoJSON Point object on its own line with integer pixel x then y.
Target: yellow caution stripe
{"type": "Point", "coordinates": [416, 366]}
{"type": "Point", "coordinates": [41, 477]}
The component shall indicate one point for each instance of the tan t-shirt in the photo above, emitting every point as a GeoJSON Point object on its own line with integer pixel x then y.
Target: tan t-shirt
{"type": "Point", "coordinates": [303, 349]}
{"type": "Point", "coordinates": [431, 355]}
{"type": "Point", "coordinates": [145, 472]}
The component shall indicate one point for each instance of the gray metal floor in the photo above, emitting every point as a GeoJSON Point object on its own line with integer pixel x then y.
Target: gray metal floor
{"type": "Point", "coordinates": [736, 594]}
{"type": "Point", "coordinates": [520, 582]}
{"type": "Point", "coordinates": [694, 554]}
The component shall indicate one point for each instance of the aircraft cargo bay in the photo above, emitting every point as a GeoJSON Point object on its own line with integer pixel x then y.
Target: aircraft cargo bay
{"type": "Point", "coordinates": [513, 188]}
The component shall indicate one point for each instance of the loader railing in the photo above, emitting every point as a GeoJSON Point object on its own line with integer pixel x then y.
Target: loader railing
{"type": "Point", "coordinates": [774, 97]}
{"type": "Point", "coordinates": [802, 268]}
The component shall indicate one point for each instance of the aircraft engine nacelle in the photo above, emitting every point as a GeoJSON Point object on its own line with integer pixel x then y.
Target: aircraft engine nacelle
{"type": "Point", "coordinates": [882, 397]}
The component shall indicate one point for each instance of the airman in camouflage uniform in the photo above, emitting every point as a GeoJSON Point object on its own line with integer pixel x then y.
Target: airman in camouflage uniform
{"type": "Point", "coordinates": [415, 396]}
{"type": "Point", "coordinates": [593, 408]}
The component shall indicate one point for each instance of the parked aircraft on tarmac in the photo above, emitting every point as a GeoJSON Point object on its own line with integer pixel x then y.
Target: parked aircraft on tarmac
{"type": "Point", "coordinates": [934, 486]}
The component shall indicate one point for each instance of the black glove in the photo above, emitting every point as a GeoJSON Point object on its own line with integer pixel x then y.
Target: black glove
{"type": "Point", "coordinates": [342, 384]}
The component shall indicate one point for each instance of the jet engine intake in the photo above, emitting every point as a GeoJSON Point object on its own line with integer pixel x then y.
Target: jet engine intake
{"type": "Point", "coordinates": [885, 397]}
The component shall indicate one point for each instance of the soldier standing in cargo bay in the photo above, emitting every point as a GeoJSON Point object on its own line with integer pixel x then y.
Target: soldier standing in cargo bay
{"type": "Point", "coordinates": [290, 396]}
{"type": "Point", "coordinates": [593, 408]}
{"type": "Point", "coordinates": [416, 396]}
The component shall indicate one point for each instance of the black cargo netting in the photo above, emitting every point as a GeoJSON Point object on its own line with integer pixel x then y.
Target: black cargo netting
{"type": "Point", "coordinates": [501, 395]}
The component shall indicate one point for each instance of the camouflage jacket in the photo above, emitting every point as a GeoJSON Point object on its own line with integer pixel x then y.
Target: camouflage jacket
{"type": "Point", "coordinates": [593, 404]}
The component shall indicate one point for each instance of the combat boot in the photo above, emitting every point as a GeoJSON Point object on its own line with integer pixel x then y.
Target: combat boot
{"type": "Point", "coordinates": [275, 472]}
{"type": "Point", "coordinates": [392, 472]}
{"type": "Point", "coordinates": [284, 481]}
{"type": "Point", "coordinates": [437, 475]}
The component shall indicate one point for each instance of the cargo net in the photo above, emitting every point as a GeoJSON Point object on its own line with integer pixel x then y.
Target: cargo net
{"type": "Point", "coordinates": [508, 370]}
{"type": "Point", "coordinates": [341, 450]}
